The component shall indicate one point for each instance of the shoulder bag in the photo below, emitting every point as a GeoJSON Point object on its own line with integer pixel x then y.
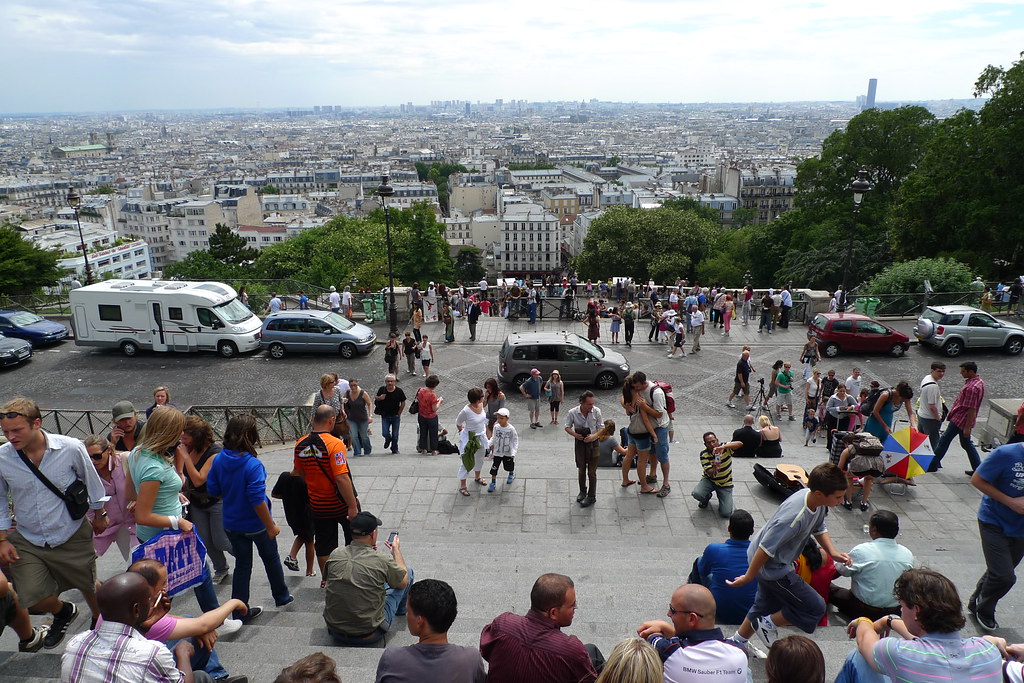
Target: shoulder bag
{"type": "Point", "coordinates": [76, 497]}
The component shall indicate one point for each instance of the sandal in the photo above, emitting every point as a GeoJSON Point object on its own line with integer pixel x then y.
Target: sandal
{"type": "Point", "coordinates": [464, 492]}
{"type": "Point", "coordinates": [649, 491]}
{"type": "Point", "coordinates": [312, 574]}
{"type": "Point", "coordinates": [481, 482]}
{"type": "Point", "coordinates": [627, 484]}
{"type": "Point", "coordinates": [652, 480]}
{"type": "Point", "coordinates": [665, 490]}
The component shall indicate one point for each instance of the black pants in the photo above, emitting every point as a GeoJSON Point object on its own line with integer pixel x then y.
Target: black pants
{"type": "Point", "coordinates": [851, 606]}
{"type": "Point", "coordinates": [784, 318]}
{"type": "Point", "coordinates": [508, 461]}
{"type": "Point", "coordinates": [1002, 555]}
{"type": "Point", "coordinates": [630, 329]}
{"type": "Point", "coordinates": [586, 466]}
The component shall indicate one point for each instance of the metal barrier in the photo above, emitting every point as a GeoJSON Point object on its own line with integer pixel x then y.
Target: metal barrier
{"type": "Point", "coordinates": [40, 304]}
{"type": "Point", "coordinates": [277, 424]}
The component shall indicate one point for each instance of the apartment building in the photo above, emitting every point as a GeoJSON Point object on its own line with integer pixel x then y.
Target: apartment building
{"type": "Point", "coordinates": [109, 255]}
{"type": "Point", "coordinates": [532, 240]}
{"type": "Point", "coordinates": [149, 220]}
{"type": "Point", "coordinates": [768, 192]}
{"type": "Point", "coordinates": [192, 222]}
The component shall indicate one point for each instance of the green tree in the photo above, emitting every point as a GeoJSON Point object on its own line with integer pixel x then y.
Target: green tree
{"type": "Point", "coordinates": [661, 243]}
{"type": "Point", "coordinates": [945, 275]}
{"type": "Point", "coordinates": [24, 267]}
{"type": "Point", "coordinates": [228, 246]}
{"type": "Point", "coordinates": [742, 217]}
{"type": "Point", "coordinates": [421, 253]}
{"type": "Point", "coordinates": [438, 174]}
{"type": "Point", "coordinates": [268, 189]}
{"type": "Point", "coordinates": [102, 189]}
{"type": "Point", "coordinates": [691, 204]}
{"type": "Point", "coordinates": [468, 266]}
{"type": "Point", "coordinates": [614, 160]}
{"type": "Point", "coordinates": [202, 265]}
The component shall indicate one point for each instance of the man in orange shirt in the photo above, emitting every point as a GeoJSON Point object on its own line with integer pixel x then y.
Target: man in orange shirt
{"type": "Point", "coordinates": [320, 460]}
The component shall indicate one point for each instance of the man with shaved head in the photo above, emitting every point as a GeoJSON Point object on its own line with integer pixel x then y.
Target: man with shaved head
{"type": "Point", "coordinates": [691, 648]}
{"type": "Point", "coordinates": [116, 651]}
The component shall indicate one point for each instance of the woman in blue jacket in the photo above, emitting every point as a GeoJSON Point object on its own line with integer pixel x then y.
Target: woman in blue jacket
{"type": "Point", "coordinates": [240, 479]}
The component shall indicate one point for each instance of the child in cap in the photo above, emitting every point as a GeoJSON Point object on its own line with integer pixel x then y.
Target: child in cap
{"type": "Point", "coordinates": [504, 445]}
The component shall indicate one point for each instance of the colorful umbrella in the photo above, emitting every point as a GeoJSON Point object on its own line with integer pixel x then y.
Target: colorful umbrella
{"type": "Point", "coordinates": [907, 453]}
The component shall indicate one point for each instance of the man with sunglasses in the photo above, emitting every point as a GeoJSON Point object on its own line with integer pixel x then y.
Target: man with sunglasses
{"type": "Point", "coordinates": [48, 552]}
{"type": "Point", "coordinates": [691, 644]}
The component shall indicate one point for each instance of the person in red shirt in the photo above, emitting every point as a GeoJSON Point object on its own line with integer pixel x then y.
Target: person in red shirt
{"type": "Point", "coordinates": [532, 648]}
{"type": "Point", "coordinates": [320, 460]}
{"type": "Point", "coordinates": [962, 418]}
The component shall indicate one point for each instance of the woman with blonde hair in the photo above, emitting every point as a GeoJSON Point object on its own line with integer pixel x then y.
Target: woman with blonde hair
{"type": "Point", "coordinates": [608, 447]}
{"type": "Point", "coordinates": [632, 661]}
{"type": "Point", "coordinates": [771, 439]}
{"type": "Point", "coordinates": [161, 397]}
{"type": "Point", "coordinates": [330, 394]}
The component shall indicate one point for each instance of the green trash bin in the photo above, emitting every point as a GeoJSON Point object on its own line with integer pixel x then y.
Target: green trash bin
{"type": "Point", "coordinates": [867, 305]}
{"type": "Point", "coordinates": [859, 304]}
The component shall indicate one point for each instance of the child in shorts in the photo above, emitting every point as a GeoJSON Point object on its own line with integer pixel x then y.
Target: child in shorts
{"type": "Point", "coordinates": [810, 427]}
{"type": "Point", "coordinates": [292, 492]}
{"type": "Point", "coordinates": [504, 445]}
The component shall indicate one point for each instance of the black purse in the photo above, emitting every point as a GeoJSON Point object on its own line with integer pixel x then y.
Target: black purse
{"type": "Point", "coordinates": [76, 497]}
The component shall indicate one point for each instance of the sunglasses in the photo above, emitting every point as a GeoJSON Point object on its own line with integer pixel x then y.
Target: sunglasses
{"type": "Point", "coordinates": [673, 611]}
{"type": "Point", "coordinates": [98, 456]}
{"type": "Point", "coordinates": [12, 414]}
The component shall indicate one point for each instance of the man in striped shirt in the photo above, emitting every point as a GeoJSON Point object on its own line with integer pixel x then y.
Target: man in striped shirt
{"type": "Point", "coordinates": [716, 463]}
{"type": "Point", "coordinates": [929, 648]}
{"type": "Point", "coordinates": [962, 418]}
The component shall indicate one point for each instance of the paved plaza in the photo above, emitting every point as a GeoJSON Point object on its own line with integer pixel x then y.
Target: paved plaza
{"type": "Point", "coordinates": [626, 553]}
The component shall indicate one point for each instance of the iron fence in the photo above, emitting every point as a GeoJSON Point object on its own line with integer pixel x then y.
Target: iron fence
{"type": "Point", "coordinates": [277, 424]}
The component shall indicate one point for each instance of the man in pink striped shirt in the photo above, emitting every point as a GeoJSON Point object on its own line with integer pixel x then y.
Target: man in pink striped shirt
{"type": "Point", "coordinates": [962, 418]}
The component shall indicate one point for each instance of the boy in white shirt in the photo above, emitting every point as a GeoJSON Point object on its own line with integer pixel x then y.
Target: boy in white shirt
{"type": "Point", "coordinates": [504, 445]}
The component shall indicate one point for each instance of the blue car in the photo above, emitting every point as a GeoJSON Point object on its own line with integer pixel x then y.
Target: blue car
{"type": "Point", "coordinates": [31, 327]}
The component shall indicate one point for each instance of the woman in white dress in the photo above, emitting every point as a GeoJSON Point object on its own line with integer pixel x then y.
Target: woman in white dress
{"type": "Point", "coordinates": [472, 426]}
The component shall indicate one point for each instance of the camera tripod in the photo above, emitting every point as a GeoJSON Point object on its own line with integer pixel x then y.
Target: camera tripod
{"type": "Point", "coordinates": [759, 403]}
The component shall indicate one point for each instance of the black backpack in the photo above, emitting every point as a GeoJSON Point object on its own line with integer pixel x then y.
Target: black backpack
{"type": "Point", "coordinates": [868, 406]}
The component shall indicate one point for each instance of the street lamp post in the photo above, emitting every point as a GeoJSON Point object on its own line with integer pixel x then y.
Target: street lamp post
{"type": "Point", "coordinates": [859, 187]}
{"type": "Point", "coordinates": [383, 192]}
{"type": "Point", "coordinates": [75, 201]}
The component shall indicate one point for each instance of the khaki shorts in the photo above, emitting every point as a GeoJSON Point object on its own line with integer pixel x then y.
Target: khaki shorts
{"type": "Point", "coordinates": [42, 572]}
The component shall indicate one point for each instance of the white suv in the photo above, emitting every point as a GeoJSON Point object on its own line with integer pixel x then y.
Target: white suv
{"type": "Point", "coordinates": [954, 328]}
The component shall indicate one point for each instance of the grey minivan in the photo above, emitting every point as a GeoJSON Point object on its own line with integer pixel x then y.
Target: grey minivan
{"type": "Point", "coordinates": [577, 360]}
{"type": "Point", "coordinates": [308, 331]}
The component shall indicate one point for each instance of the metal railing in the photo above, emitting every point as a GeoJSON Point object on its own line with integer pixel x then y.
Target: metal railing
{"type": "Point", "coordinates": [40, 304]}
{"type": "Point", "coordinates": [277, 424]}
{"type": "Point", "coordinates": [911, 304]}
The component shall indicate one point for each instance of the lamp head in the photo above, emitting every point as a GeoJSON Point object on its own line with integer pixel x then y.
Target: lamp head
{"type": "Point", "coordinates": [860, 187]}
{"type": "Point", "coordinates": [74, 200]}
{"type": "Point", "coordinates": [385, 190]}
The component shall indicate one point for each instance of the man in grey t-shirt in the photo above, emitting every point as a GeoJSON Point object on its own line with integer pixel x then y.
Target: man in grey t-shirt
{"type": "Point", "coordinates": [431, 610]}
{"type": "Point", "coordinates": [929, 411]}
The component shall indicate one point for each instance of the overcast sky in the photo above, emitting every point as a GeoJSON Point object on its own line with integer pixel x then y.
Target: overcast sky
{"type": "Point", "coordinates": [98, 55]}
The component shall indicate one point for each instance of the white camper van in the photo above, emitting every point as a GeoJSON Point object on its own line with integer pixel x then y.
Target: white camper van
{"type": "Point", "coordinates": [163, 315]}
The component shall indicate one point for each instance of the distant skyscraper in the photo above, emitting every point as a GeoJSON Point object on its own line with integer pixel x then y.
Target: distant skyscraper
{"type": "Point", "coordinates": [467, 108]}
{"type": "Point", "coordinates": [872, 87]}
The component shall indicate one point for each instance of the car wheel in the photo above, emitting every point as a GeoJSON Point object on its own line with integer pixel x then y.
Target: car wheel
{"type": "Point", "coordinates": [831, 350]}
{"type": "Point", "coordinates": [896, 350]}
{"type": "Point", "coordinates": [347, 350]}
{"type": "Point", "coordinates": [953, 348]}
{"type": "Point", "coordinates": [606, 380]}
{"type": "Point", "coordinates": [1014, 345]}
{"type": "Point", "coordinates": [227, 349]}
{"type": "Point", "coordinates": [277, 351]}
{"type": "Point", "coordinates": [130, 349]}
{"type": "Point", "coordinates": [519, 379]}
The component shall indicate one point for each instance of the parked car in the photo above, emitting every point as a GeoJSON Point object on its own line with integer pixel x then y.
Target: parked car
{"type": "Point", "coordinates": [31, 327]}
{"type": "Point", "coordinates": [846, 332]}
{"type": "Point", "coordinates": [576, 359]}
{"type": "Point", "coordinates": [314, 332]}
{"type": "Point", "coordinates": [955, 328]}
{"type": "Point", "coordinates": [14, 351]}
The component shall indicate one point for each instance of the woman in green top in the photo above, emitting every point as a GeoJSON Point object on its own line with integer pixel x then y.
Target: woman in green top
{"type": "Point", "coordinates": [154, 470]}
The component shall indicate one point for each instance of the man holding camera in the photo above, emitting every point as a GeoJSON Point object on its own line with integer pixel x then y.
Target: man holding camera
{"type": "Point", "coordinates": [582, 424]}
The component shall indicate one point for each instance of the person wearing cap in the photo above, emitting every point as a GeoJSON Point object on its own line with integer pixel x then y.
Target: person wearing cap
{"type": "Point", "coordinates": [335, 299]}
{"type": "Point", "coordinates": [531, 390]}
{"type": "Point", "coordinates": [504, 445]}
{"type": "Point", "coordinates": [366, 589]}
{"type": "Point", "coordinates": [127, 426]}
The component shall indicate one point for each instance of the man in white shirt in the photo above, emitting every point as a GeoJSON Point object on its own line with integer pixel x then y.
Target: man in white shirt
{"type": "Point", "coordinates": [275, 303]}
{"type": "Point", "coordinates": [853, 384]}
{"type": "Point", "coordinates": [346, 302]}
{"type": "Point", "coordinates": [929, 410]}
{"type": "Point", "coordinates": [691, 647]}
{"type": "Point", "coordinates": [335, 299]}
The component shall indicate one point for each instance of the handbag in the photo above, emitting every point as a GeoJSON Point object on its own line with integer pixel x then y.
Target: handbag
{"type": "Point", "coordinates": [76, 497]}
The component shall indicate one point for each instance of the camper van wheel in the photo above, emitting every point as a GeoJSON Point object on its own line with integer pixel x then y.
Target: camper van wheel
{"type": "Point", "coordinates": [347, 351]}
{"type": "Point", "coordinates": [227, 349]}
{"type": "Point", "coordinates": [130, 348]}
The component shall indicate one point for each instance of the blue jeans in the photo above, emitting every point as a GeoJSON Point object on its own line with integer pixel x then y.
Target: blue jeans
{"type": "Point", "coordinates": [389, 425]}
{"type": "Point", "coordinates": [531, 309]}
{"type": "Point", "coordinates": [202, 660]}
{"type": "Point", "coordinates": [952, 432]}
{"type": "Point", "coordinates": [210, 527]}
{"type": "Point", "coordinates": [857, 670]}
{"type": "Point", "coordinates": [703, 490]}
{"type": "Point", "coordinates": [205, 594]}
{"type": "Point", "coordinates": [927, 425]}
{"type": "Point", "coordinates": [360, 438]}
{"type": "Point", "coordinates": [766, 321]}
{"type": "Point", "coordinates": [394, 605]}
{"type": "Point", "coordinates": [267, 547]}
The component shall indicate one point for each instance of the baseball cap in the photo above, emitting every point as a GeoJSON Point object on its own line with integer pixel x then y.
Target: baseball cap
{"type": "Point", "coordinates": [503, 411]}
{"type": "Point", "coordinates": [123, 409]}
{"type": "Point", "coordinates": [364, 523]}
{"type": "Point", "coordinates": [535, 371]}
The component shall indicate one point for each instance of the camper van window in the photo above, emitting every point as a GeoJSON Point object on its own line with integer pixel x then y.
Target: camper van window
{"type": "Point", "coordinates": [206, 317]}
{"type": "Point", "coordinates": [110, 312]}
{"type": "Point", "coordinates": [233, 312]}
{"type": "Point", "coordinates": [174, 313]}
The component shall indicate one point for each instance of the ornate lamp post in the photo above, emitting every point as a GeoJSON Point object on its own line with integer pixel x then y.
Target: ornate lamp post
{"type": "Point", "coordinates": [383, 192]}
{"type": "Point", "coordinates": [75, 201]}
{"type": "Point", "coordinates": [859, 187]}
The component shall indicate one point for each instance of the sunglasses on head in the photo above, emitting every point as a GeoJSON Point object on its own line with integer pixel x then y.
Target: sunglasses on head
{"type": "Point", "coordinates": [13, 414]}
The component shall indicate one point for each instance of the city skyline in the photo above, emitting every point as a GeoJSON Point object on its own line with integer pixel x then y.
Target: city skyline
{"type": "Point", "coordinates": [157, 55]}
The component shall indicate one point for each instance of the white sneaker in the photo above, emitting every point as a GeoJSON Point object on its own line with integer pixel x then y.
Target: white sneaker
{"type": "Point", "coordinates": [229, 626]}
{"type": "Point", "coordinates": [767, 629]}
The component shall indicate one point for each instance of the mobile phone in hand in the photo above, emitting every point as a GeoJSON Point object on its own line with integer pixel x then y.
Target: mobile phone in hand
{"type": "Point", "coordinates": [392, 537]}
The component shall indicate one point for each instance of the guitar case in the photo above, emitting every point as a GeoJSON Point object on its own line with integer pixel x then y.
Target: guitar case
{"type": "Point", "coordinates": [776, 481]}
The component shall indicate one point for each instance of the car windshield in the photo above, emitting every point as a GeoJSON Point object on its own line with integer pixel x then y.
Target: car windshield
{"type": "Point", "coordinates": [593, 349]}
{"type": "Point", "coordinates": [819, 321]}
{"type": "Point", "coordinates": [341, 322]}
{"type": "Point", "coordinates": [234, 312]}
{"type": "Point", "coordinates": [24, 318]}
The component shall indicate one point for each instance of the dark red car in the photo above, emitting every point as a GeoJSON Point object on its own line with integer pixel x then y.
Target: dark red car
{"type": "Point", "coordinates": [837, 332]}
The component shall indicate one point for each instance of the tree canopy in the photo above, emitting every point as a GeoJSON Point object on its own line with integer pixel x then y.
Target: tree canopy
{"type": "Point", "coordinates": [24, 267]}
